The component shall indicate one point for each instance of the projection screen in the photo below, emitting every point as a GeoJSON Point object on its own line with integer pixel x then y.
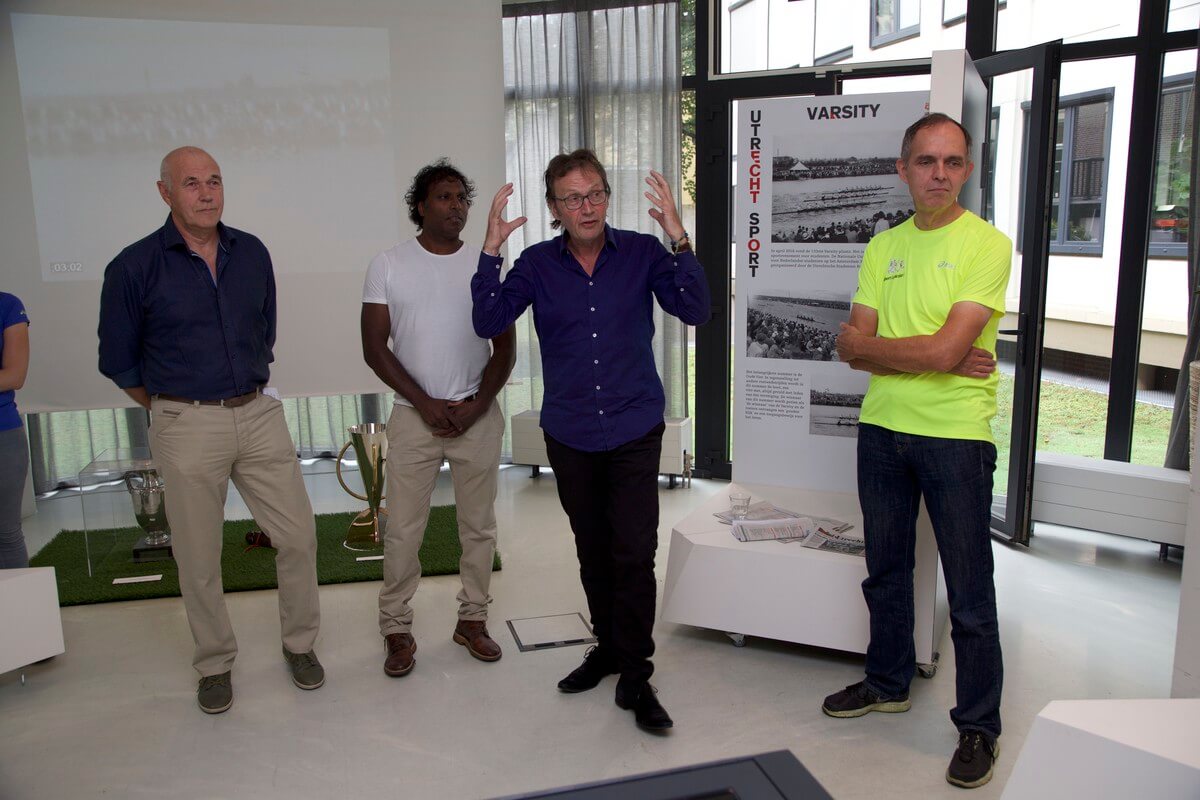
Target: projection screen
{"type": "Point", "coordinates": [318, 112]}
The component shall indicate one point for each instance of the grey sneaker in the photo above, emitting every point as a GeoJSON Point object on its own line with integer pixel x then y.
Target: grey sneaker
{"type": "Point", "coordinates": [215, 693]}
{"type": "Point", "coordinates": [307, 672]}
{"type": "Point", "coordinates": [856, 700]}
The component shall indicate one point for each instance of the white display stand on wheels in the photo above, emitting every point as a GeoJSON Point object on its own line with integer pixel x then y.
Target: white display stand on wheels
{"type": "Point", "coordinates": [784, 591]}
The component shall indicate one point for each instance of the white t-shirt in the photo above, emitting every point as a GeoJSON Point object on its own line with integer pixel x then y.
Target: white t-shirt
{"type": "Point", "coordinates": [429, 303]}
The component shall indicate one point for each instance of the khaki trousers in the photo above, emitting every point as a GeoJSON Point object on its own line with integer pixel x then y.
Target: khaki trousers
{"type": "Point", "coordinates": [197, 450]}
{"type": "Point", "coordinates": [413, 460]}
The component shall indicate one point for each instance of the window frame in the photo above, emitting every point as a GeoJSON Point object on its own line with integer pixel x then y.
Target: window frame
{"type": "Point", "coordinates": [880, 40]}
{"type": "Point", "coordinates": [1175, 84]}
{"type": "Point", "coordinates": [1059, 245]}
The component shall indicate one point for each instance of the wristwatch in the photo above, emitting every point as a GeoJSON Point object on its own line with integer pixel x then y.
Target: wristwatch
{"type": "Point", "coordinates": [682, 243]}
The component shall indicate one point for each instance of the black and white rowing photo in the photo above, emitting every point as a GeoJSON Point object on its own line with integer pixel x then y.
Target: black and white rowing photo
{"type": "Point", "coordinates": [834, 403]}
{"type": "Point", "coordinates": [796, 324]}
{"type": "Point", "coordinates": [844, 192]}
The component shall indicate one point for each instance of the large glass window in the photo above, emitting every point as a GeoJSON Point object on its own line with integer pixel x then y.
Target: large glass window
{"type": "Point", "coordinates": [833, 39]}
{"type": "Point", "coordinates": [687, 37]}
{"type": "Point", "coordinates": [1029, 23]}
{"type": "Point", "coordinates": [955, 11]}
{"type": "Point", "coordinates": [892, 20]}
{"type": "Point", "coordinates": [1165, 304]}
{"type": "Point", "coordinates": [765, 34]}
{"type": "Point", "coordinates": [1183, 15]}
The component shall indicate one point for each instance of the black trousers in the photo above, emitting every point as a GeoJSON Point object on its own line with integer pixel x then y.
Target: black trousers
{"type": "Point", "coordinates": [611, 499]}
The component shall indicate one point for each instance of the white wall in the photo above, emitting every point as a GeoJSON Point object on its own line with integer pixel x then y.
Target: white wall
{"type": "Point", "coordinates": [446, 99]}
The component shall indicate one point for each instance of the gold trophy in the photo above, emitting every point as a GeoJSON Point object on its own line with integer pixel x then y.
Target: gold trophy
{"type": "Point", "coordinates": [370, 448]}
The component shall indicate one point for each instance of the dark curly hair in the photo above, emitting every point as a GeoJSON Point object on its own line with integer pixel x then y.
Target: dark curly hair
{"type": "Point", "coordinates": [439, 170]}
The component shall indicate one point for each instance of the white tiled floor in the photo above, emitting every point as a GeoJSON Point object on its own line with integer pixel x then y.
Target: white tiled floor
{"type": "Point", "coordinates": [1082, 616]}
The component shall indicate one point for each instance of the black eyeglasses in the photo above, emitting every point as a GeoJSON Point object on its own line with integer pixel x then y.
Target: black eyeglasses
{"type": "Point", "coordinates": [574, 202]}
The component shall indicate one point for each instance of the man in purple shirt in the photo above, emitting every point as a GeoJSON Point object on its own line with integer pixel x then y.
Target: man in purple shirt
{"type": "Point", "coordinates": [593, 290]}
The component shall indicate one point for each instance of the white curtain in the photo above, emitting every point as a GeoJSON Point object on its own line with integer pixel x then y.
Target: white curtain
{"type": "Point", "coordinates": [602, 75]}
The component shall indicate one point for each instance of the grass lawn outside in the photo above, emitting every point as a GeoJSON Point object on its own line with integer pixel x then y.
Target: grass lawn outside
{"type": "Point", "coordinates": [1071, 420]}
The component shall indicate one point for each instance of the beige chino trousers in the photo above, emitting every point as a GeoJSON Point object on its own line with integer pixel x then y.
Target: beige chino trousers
{"type": "Point", "coordinates": [198, 450]}
{"type": "Point", "coordinates": [414, 458]}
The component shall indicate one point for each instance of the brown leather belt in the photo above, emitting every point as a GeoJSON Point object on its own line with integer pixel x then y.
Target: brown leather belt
{"type": "Point", "coordinates": [228, 402]}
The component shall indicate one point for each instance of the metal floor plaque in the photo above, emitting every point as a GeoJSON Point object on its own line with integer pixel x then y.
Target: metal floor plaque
{"type": "Point", "coordinates": [556, 630]}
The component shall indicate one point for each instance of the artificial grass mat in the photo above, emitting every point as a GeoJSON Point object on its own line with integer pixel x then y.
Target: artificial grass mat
{"type": "Point", "coordinates": [242, 569]}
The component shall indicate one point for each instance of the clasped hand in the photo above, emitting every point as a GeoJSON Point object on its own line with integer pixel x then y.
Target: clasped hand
{"type": "Point", "coordinates": [450, 418]}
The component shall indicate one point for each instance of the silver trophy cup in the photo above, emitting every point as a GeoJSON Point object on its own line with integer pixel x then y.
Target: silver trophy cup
{"type": "Point", "coordinates": [370, 448]}
{"type": "Point", "coordinates": [148, 493]}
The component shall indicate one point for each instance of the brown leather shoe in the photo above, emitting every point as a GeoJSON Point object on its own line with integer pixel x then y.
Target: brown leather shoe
{"type": "Point", "coordinates": [473, 634]}
{"type": "Point", "coordinates": [400, 650]}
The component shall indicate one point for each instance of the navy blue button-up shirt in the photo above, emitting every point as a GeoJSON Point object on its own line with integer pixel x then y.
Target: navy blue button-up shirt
{"type": "Point", "coordinates": [165, 324]}
{"type": "Point", "coordinates": [601, 386]}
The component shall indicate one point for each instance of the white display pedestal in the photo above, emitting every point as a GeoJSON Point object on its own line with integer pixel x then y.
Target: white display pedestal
{"type": "Point", "coordinates": [785, 591]}
{"type": "Point", "coordinates": [1102, 749]}
{"type": "Point", "coordinates": [30, 623]}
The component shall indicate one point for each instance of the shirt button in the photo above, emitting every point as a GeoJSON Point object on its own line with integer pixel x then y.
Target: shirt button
{"type": "Point", "coordinates": [593, 336]}
{"type": "Point", "coordinates": [681, 288]}
{"type": "Point", "coordinates": [493, 294]}
{"type": "Point", "coordinates": [589, 283]}
{"type": "Point", "coordinates": [595, 361]}
{"type": "Point", "coordinates": [593, 308]}
{"type": "Point", "coordinates": [597, 388]}
{"type": "Point", "coordinates": [601, 412]}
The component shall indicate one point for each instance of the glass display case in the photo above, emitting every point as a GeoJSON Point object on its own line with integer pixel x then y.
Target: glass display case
{"type": "Point", "coordinates": [124, 508]}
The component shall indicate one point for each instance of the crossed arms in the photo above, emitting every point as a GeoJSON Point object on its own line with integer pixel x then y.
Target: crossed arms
{"type": "Point", "coordinates": [949, 349]}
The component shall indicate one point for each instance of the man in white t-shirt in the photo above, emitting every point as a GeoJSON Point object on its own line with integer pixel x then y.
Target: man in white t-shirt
{"type": "Point", "coordinates": [418, 295]}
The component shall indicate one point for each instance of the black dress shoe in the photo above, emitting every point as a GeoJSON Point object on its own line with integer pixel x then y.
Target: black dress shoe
{"type": "Point", "coordinates": [642, 700]}
{"type": "Point", "coordinates": [588, 675]}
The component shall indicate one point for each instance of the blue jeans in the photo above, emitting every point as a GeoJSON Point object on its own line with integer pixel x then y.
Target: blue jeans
{"type": "Point", "coordinates": [955, 477]}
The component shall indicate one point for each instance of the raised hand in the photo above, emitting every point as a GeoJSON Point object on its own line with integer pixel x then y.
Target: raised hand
{"type": "Point", "coordinates": [498, 229]}
{"type": "Point", "coordinates": [664, 211]}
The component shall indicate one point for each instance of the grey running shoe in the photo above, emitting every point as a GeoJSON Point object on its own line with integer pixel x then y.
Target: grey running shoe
{"type": "Point", "coordinates": [856, 700]}
{"type": "Point", "coordinates": [972, 762]}
{"type": "Point", "coordinates": [307, 672]}
{"type": "Point", "coordinates": [215, 693]}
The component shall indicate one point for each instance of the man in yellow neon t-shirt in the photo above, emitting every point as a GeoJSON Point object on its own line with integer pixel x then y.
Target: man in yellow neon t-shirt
{"type": "Point", "coordinates": [923, 323]}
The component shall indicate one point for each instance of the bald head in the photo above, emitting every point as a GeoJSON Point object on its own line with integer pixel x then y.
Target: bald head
{"type": "Point", "coordinates": [190, 183]}
{"type": "Point", "coordinates": [164, 168]}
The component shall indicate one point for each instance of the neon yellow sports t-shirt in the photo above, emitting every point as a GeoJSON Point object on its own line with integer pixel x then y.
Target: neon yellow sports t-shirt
{"type": "Point", "coordinates": [912, 278]}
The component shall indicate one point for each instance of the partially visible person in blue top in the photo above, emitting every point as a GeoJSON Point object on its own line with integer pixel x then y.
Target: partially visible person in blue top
{"type": "Point", "coordinates": [14, 448]}
{"type": "Point", "coordinates": [592, 290]}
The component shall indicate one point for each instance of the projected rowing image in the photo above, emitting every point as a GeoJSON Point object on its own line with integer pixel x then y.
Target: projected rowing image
{"type": "Point", "coordinates": [298, 117]}
{"type": "Point", "coordinates": [801, 324]}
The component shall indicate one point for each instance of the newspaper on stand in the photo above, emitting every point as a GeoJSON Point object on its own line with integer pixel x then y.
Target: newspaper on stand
{"type": "Point", "coordinates": [760, 511]}
{"type": "Point", "coordinates": [819, 533]}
